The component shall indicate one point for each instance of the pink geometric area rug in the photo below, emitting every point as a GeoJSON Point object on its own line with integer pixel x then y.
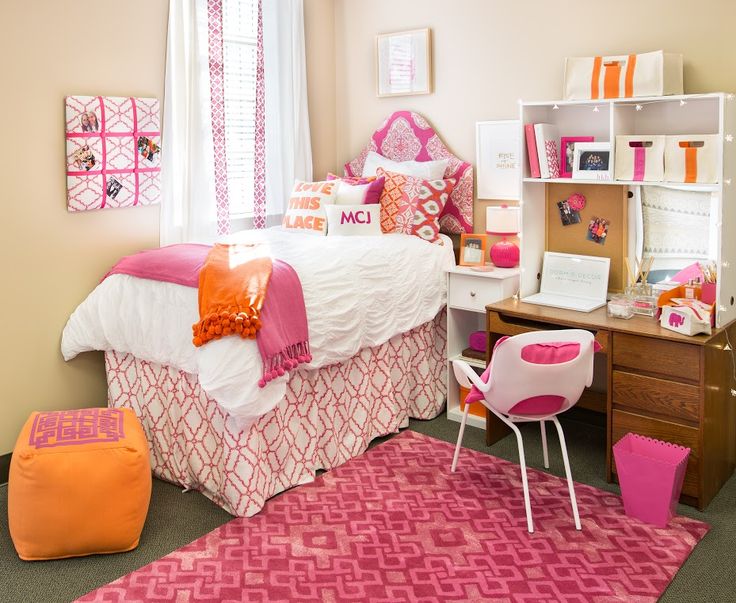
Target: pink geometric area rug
{"type": "Point", "coordinates": [395, 525]}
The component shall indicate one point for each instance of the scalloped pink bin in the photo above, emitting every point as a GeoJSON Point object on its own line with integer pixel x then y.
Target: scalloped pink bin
{"type": "Point", "coordinates": [650, 473]}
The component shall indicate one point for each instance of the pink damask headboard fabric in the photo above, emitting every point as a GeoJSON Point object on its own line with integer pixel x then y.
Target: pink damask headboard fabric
{"type": "Point", "coordinates": [407, 136]}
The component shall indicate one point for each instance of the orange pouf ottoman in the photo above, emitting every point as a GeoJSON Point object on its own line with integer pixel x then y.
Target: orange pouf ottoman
{"type": "Point", "coordinates": [80, 483]}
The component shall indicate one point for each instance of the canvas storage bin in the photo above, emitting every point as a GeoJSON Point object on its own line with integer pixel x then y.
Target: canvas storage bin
{"type": "Point", "coordinates": [640, 158]}
{"type": "Point", "coordinates": [691, 158]}
{"type": "Point", "coordinates": [623, 76]}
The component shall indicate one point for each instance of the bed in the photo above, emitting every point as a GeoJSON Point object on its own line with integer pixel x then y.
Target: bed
{"type": "Point", "coordinates": [377, 331]}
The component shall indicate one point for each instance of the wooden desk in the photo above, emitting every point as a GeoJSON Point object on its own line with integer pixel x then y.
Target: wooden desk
{"type": "Point", "coordinates": [659, 384]}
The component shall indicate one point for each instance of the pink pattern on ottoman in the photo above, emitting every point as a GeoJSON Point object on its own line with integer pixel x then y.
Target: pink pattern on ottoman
{"type": "Point", "coordinates": [75, 427]}
{"type": "Point", "coordinates": [105, 145]}
{"type": "Point", "coordinates": [329, 416]}
{"type": "Point", "coordinates": [406, 136]}
{"type": "Point", "coordinates": [396, 525]}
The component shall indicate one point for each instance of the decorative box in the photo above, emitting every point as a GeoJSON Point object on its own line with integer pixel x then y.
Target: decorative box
{"type": "Point", "coordinates": [640, 158]}
{"type": "Point", "coordinates": [685, 319]}
{"type": "Point", "coordinates": [691, 158]}
{"type": "Point", "coordinates": [623, 76]}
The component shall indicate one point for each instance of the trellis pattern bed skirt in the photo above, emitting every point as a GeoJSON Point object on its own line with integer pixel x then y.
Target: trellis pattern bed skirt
{"type": "Point", "coordinates": [328, 416]}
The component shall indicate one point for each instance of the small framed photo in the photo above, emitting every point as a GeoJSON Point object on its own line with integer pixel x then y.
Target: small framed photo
{"type": "Point", "coordinates": [567, 153]}
{"type": "Point", "coordinates": [404, 63]}
{"type": "Point", "coordinates": [592, 161]}
{"type": "Point", "coordinates": [473, 249]}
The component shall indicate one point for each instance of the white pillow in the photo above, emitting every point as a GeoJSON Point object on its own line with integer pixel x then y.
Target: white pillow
{"type": "Point", "coordinates": [348, 220]}
{"type": "Point", "coordinates": [351, 194]}
{"type": "Point", "coordinates": [305, 211]}
{"type": "Point", "coordinates": [427, 170]}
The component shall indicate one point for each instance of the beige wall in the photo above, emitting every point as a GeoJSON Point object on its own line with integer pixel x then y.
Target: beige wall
{"type": "Point", "coordinates": [490, 53]}
{"type": "Point", "coordinates": [319, 31]}
{"type": "Point", "coordinates": [51, 259]}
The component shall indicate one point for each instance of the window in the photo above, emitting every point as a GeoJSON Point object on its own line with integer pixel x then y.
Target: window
{"type": "Point", "coordinates": [239, 34]}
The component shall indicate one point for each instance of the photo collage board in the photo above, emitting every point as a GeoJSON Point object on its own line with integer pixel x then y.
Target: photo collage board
{"type": "Point", "coordinates": [113, 152]}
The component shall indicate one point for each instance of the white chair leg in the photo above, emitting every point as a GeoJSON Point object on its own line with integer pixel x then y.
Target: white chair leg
{"type": "Point", "coordinates": [524, 481]}
{"type": "Point", "coordinates": [460, 438]}
{"type": "Point", "coordinates": [570, 486]}
{"type": "Point", "coordinates": [544, 445]}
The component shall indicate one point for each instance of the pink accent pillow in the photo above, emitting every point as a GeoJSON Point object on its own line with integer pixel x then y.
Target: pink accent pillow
{"type": "Point", "coordinates": [373, 194]}
{"type": "Point", "coordinates": [412, 205]}
{"type": "Point", "coordinates": [538, 405]}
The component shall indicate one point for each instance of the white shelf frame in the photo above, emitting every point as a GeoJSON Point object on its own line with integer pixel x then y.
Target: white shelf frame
{"type": "Point", "coordinates": [712, 113]}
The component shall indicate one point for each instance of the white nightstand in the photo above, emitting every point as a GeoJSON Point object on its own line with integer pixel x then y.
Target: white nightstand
{"type": "Point", "coordinates": [468, 293]}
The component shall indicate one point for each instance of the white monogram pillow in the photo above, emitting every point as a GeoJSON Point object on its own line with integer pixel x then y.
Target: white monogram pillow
{"type": "Point", "coordinates": [347, 220]}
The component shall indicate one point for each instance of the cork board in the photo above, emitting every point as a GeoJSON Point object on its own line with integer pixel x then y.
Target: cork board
{"type": "Point", "coordinates": [606, 201]}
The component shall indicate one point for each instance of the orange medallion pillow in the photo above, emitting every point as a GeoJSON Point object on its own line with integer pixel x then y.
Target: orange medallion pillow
{"type": "Point", "coordinates": [413, 205]}
{"type": "Point", "coordinates": [80, 484]}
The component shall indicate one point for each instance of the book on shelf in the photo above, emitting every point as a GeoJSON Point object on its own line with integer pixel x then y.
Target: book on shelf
{"type": "Point", "coordinates": [547, 136]}
{"type": "Point", "coordinates": [531, 149]}
{"type": "Point", "coordinates": [474, 354]}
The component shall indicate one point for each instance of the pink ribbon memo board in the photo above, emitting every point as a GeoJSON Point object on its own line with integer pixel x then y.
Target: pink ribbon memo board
{"type": "Point", "coordinates": [113, 152]}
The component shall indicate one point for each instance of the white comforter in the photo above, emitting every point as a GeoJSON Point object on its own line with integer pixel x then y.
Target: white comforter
{"type": "Point", "coordinates": [358, 291]}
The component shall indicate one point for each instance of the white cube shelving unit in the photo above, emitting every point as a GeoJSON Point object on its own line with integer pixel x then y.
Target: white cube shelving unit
{"type": "Point", "coordinates": [686, 114]}
{"type": "Point", "coordinates": [468, 293]}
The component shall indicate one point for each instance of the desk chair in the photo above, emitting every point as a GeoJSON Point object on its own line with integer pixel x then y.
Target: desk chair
{"type": "Point", "coordinates": [532, 377]}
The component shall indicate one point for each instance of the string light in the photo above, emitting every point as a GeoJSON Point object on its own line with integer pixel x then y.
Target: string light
{"type": "Point", "coordinates": [730, 96]}
{"type": "Point", "coordinates": [639, 107]}
{"type": "Point", "coordinates": [596, 110]}
{"type": "Point", "coordinates": [555, 107]}
{"type": "Point", "coordinates": [725, 263]}
{"type": "Point", "coordinates": [729, 137]}
{"type": "Point", "coordinates": [683, 102]}
{"type": "Point", "coordinates": [728, 181]}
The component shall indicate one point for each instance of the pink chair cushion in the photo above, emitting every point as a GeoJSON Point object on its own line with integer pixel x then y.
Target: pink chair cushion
{"type": "Point", "coordinates": [538, 405]}
{"type": "Point", "coordinates": [554, 352]}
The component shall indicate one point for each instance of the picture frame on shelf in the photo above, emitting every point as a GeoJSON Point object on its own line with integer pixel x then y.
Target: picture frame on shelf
{"type": "Point", "coordinates": [567, 153]}
{"type": "Point", "coordinates": [473, 249]}
{"type": "Point", "coordinates": [404, 63]}
{"type": "Point", "coordinates": [498, 159]}
{"type": "Point", "coordinates": [592, 161]}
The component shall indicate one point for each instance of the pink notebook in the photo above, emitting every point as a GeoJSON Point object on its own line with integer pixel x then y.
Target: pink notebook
{"type": "Point", "coordinates": [531, 148]}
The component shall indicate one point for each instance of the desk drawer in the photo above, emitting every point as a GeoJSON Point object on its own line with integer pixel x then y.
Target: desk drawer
{"type": "Point", "coordinates": [474, 292]}
{"type": "Point", "coordinates": [625, 422]}
{"type": "Point", "coordinates": [679, 360]}
{"type": "Point", "coordinates": [649, 394]}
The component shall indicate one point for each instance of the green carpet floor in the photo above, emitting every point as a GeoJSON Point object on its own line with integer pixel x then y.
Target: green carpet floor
{"type": "Point", "coordinates": [176, 519]}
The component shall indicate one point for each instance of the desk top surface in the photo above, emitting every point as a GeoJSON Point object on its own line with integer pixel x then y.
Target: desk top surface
{"type": "Point", "coordinates": [595, 320]}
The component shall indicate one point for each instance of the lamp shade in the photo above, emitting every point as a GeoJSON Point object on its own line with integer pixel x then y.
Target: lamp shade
{"type": "Point", "coordinates": [503, 220]}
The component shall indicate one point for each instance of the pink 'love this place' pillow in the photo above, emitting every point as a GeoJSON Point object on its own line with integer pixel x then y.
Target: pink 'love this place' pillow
{"type": "Point", "coordinates": [370, 187]}
{"type": "Point", "coordinates": [413, 205]}
{"type": "Point", "coordinates": [306, 209]}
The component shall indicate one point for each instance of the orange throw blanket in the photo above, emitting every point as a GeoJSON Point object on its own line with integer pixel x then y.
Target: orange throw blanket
{"type": "Point", "coordinates": [232, 288]}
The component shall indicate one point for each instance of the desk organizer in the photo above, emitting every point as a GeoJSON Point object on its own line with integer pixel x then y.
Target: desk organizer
{"type": "Point", "coordinates": [651, 473]}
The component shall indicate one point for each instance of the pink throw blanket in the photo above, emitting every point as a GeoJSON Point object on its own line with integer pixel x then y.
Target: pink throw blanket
{"type": "Point", "coordinates": [283, 340]}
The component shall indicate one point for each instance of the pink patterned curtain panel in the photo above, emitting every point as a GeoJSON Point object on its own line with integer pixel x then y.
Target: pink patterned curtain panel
{"type": "Point", "coordinates": [217, 109]}
{"type": "Point", "coordinates": [259, 183]}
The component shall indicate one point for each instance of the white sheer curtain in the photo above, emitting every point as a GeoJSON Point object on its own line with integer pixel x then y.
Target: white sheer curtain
{"type": "Point", "coordinates": [288, 144]}
{"type": "Point", "coordinates": [193, 168]}
{"type": "Point", "coordinates": [188, 210]}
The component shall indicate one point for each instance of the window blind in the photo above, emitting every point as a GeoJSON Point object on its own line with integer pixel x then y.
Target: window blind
{"type": "Point", "coordinates": [239, 33]}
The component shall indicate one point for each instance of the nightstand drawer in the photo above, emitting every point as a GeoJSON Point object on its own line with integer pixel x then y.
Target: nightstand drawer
{"type": "Point", "coordinates": [474, 292]}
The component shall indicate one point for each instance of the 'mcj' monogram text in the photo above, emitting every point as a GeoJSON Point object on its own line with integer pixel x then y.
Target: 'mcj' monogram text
{"type": "Point", "coordinates": [304, 201]}
{"type": "Point", "coordinates": [355, 217]}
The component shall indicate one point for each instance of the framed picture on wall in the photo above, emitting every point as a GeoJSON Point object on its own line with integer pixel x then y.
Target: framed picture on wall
{"type": "Point", "coordinates": [497, 158]}
{"type": "Point", "coordinates": [404, 63]}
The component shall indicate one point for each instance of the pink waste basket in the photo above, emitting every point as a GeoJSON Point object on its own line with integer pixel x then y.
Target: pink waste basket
{"type": "Point", "coordinates": [650, 473]}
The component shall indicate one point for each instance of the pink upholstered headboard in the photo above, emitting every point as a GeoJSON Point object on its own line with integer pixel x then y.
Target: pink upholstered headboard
{"type": "Point", "coordinates": [406, 136]}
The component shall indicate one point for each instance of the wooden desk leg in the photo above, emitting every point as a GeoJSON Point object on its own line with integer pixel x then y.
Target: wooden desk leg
{"type": "Point", "coordinates": [495, 428]}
